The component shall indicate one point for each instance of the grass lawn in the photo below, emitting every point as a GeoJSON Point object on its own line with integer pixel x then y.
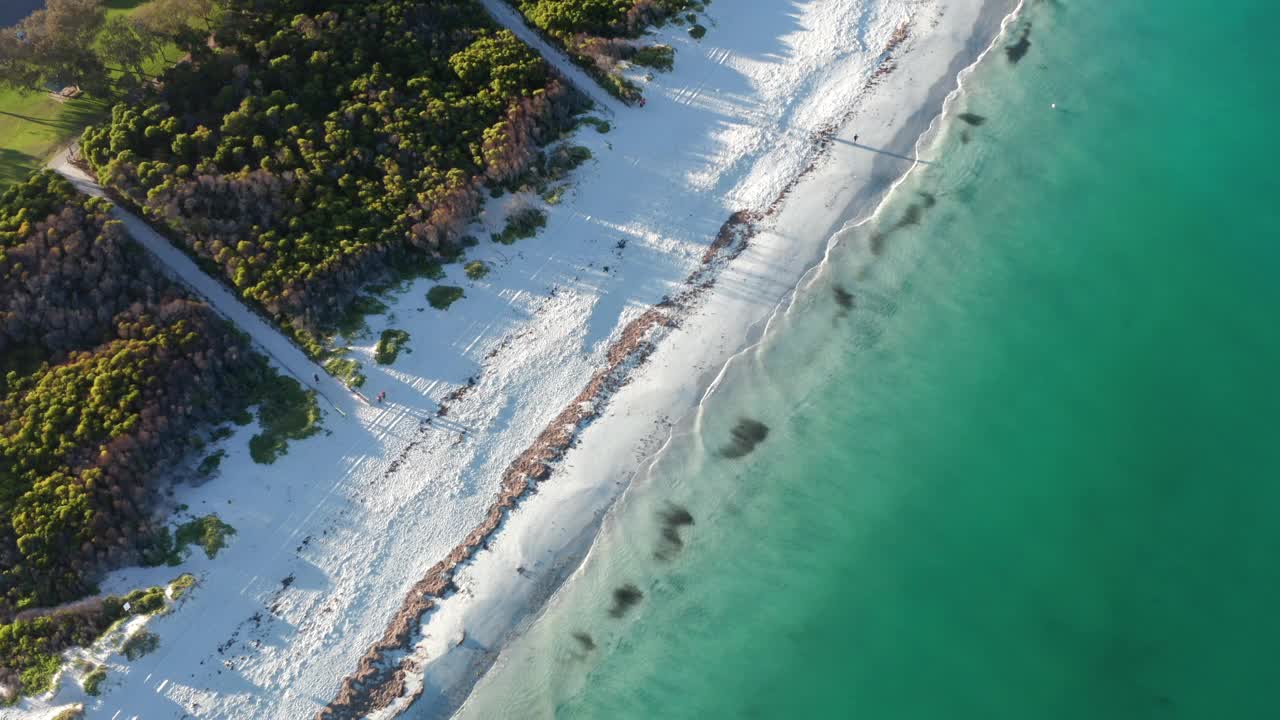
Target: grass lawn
{"type": "Point", "coordinates": [34, 126]}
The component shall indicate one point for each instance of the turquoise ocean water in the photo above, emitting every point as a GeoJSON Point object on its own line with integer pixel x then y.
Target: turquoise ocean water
{"type": "Point", "coordinates": [1033, 469]}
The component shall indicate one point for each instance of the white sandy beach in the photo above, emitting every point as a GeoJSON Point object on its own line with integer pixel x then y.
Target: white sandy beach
{"type": "Point", "coordinates": [332, 536]}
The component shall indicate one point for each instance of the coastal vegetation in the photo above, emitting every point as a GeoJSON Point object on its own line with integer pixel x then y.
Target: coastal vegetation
{"type": "Point", "coordinates": [93, 679]}
{"type": "Point", "coordinates": [30, 648]}
{"type": "Point", "coordinates": [390, 345]}
{"type": "Point", "coordinates": [109, 373]}
{"type": "Point", "coordinates": [442, 296]}
{"type": "Point", "coordinates": [602, 35]}
{"type": "Point", "coordinates": [476, 269]}
{"type": "Point", "coordinates": [169, 547]}
{"type": "Point", "coordinates": [347, 370]}
{"type": "Point", "coordinates": [312, 148]}
{"type": "Point", "coordinates": [523, 223]}
{"type": "Point", "coordinates": [139, 644]}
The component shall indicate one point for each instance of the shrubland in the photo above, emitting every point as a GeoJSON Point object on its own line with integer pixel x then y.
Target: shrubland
{"type": "Point", "coordinates": [317, 145]}
{"type": "Point", "coordinates": [110, 372]}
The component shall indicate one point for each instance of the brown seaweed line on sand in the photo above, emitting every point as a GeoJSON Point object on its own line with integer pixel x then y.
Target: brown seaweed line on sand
{"type": "Point", "coordinates": [376, 683]}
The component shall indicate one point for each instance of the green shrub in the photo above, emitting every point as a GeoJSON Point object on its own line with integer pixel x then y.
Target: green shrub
{"type": "Point", "coordinates": [351, 323]}
{"type": "Point", "coordinates": [220, 433]}
{"type": "Point", "coordinates": [286, 412]}
{"type": "Point", "coordinates": [389, 346]}
{"type": "Point", "coordinates": [74, 712]}
{"type": "Point", "coordinates": [181, 585]}
{"type": "Point", "coordinates": [601, 126]}
{"type": "Point", "coordinates": [346, 370]}
{"type": "Point", "coordinates": [37, 678]}
{"type": "Point", "coordinates": [139, 644]}
{"type": "Point", "coordinates": [565, 158]}
{"type": "Point", "coordinates": [697, 31]}
{"type": "Point", "coordinates": [92, 681]}
{"type": "Point", "coordinates": [209, 465]}
{"type": "Point", "coordinates": [442, 296]}
{"type": "Point", "coordinates": [523, 223]}
{"type": "Point", "coordinates": [209, 532]}
{"type": "Point", "coordinates": [476, 269]}
{"type": "Point", "coordinates": [147, 601]}
{"type": "Point", "coordinates": [660, 57]}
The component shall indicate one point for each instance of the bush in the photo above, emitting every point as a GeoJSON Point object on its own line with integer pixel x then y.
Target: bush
{"type": "Point", "coordinates": [660, 57]}
{"type": "Point", "coordinates": [285, 412]}
{"type": "Point", "coordinates": [181, 585]}
{"type": "Point", "coordinates": [209, 532]}
{"type": "Point", "coordinates": [346, 370]}
{"type": "Point", "coordinates": [38, 677]}
{"type": "Point", "coordinates": [476, 269]}
{"type": "Point", "coordinates": [601, 126]}
{"type": "Point", "coordinates": [389, 346]}
{"type": "Point", "coordinates": [697, 31]}
{"type": "Point", "coordinates": [139, 644]}
{"type": "Point", "coordinates": [147, 601]}
{"type": "Point", "coordinates": [442, 296]}
{"type": "Point", "coordinates": [565, 158]}
{"type": "Point", "coordinates": [92, 681]}
{"type": "Point", "coordinates": [523, 223]}
{"type": "Point", "coordinates": [209, 465]}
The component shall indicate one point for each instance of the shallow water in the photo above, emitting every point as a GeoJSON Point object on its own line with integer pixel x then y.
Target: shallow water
{"type": "Point", "coordinates": [1021, 455]}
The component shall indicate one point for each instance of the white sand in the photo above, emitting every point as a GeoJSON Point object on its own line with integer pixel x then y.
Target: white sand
{"type": "Point", "coordinates": [356, 516]}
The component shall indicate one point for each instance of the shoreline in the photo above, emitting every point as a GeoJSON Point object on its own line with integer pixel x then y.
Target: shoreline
{"type": "Point", "coordinates": [332, 535]}
{"type": "Point", "coordinates": [460, 614]}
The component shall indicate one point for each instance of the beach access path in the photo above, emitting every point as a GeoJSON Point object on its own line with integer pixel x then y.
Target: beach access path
{"type": "Point", "coordinates": [182, 268]}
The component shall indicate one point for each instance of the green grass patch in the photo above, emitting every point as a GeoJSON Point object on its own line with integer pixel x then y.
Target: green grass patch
{"type": "Point", "coordinates": [139, 644]}
{"type": "Point", "coordinates": [523, 223]}
{"type": "Point", "coordinates": [92, 681]}
{"type": "Point", "coordinates": [442, 296]}
{"type": "Point", "coordinates": [209, 465]}
{"type": "Point", "coordinates": [390, 345]}
{"type": "Point", "coordinates": [71, 713]}
{"type": "Point", "coordinates": [659, 57]}
{"type": "Point", "coordinates": [476, 269]}
{"type": "Point", "coordinates": [286, 411]}
{"type": "Point", "coordinates": [346, 370]}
